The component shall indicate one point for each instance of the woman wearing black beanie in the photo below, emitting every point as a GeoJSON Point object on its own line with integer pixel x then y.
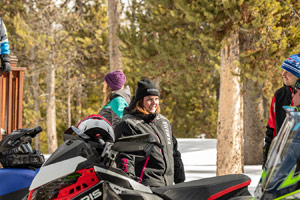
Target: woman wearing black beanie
{"type": "Point", "coordinates": [164, 166]}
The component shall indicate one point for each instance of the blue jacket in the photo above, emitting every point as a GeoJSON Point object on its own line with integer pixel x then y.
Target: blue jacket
{"type": "Point", "coordinates": [113, 111]}
{"type": "Point", "coordinates": [4, 48]}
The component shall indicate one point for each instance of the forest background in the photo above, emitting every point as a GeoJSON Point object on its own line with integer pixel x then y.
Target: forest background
{"type": "Point", "coordinates": [180, 44]}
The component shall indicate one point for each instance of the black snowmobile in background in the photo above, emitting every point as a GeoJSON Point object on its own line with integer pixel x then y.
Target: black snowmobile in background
{"type": "Point", "coordinates": [82, 168]}
{"type": "Point", "coordinates": [20, 163]}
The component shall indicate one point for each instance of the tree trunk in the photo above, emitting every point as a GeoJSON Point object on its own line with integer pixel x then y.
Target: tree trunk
{"type": "Point", "coordinates": [35, 78]}
{"type": "Point", "coordinates": [253, 124]}
{"type": "Point", "coordinates": [230, 116]}
{"type": "Point", "coordinates": [51, 110]}
{"type": "Point", "coordinates": [35, 88]}
{"type": "Point", "coordinates": [78, 109]}
{"type": "Point", "coordinates": [253, 109]}
{"type": "Point", "coordinates": [115, 55]}
{"type": "Point", "coordinates": [68, 99]}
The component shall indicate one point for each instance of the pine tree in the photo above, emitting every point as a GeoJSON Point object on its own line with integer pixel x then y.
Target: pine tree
{"type": "Point", "coordinates": [255, 22]}
{"type": "Point", "coordinates": [177, 38]}
{"type": "Point", "coordinates": [79, 44]}
{"type": "Point", "coordinates": [162, 44]}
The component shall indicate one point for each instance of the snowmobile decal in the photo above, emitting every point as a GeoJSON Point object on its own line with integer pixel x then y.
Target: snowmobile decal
{"type": "Point", "coordinates": [290, 179]}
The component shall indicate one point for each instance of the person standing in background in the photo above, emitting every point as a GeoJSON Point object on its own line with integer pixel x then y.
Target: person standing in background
{"type": "Point", "coordinates": [4, 48]}
{"type": "Point", "coordinates": [116, 97]}
{"type": "Point", "coordinates": [282, 97]}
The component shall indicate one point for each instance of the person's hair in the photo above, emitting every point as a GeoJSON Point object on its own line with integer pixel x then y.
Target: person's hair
{"type": "Point", "coordinates": [106, 96]}
{"type": "Point", "coordinates": [140, 108]}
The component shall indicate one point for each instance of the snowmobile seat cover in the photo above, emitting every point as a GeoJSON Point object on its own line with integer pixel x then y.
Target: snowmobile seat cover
{"type": "Point", "coordinates": [219, 187]}
{"type": "Point", "coordinates": [15, 179]}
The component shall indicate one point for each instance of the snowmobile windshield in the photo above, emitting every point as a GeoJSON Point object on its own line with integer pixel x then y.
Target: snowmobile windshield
{"type": "Point", "coordinates": [281, 175]}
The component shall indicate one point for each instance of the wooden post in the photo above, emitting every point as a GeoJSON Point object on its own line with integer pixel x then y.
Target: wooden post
{"type": "Point", "coordinates": [11, 101]}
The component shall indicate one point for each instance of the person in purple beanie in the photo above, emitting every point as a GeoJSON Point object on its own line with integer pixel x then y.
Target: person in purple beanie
{"type": "Point", "coordinates": [116, 97]}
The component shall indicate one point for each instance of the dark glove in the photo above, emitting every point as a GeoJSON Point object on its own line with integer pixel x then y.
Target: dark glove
{"type": "Point", "coordinates": [179, 174]}
{"type": "Point", "coordinates": [5, 63]}
{"type": "Point", "coordinates": [265, 154]}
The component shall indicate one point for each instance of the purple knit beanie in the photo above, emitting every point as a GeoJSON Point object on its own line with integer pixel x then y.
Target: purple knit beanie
{"type": "Point", "coordinates": [115, 80]}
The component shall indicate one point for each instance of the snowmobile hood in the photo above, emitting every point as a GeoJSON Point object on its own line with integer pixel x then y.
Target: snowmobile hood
{"type": "Point", "coordinates": [281, 176]}
{"type": "Point", "coordinates": [52, 172]}
{"type": "Point", "coordinates": [71, 156]}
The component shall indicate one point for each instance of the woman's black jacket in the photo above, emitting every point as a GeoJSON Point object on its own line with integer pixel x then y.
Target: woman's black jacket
{"type": "Point", "coordinates": [164, 166]}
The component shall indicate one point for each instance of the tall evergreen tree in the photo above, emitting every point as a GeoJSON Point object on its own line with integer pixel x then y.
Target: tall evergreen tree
{"type": "Point", "coordinates": [259, 20]}
{"type": "Point", "coordinates": [162, 44]}
{"type": "Point", "coordinates": [165, 36]}
{"type": "Point", "coordinates": [78, 48]}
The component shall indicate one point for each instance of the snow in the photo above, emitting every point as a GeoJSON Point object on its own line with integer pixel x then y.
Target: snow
{"type": "Point", "coordinates": [199, 159]}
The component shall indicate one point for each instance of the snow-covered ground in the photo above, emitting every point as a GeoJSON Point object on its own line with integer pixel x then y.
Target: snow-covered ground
{"type": "Point", "coordinates": [199, 158]}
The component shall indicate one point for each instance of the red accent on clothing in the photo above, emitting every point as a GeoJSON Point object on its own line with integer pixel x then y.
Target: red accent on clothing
{"type": "Point", "coordinates": [146, 162]}
{"type": "Point", "coordinates": [292, 99]}
{"type": "Point", "coordinates": [145, 165]}
{"type": "Point", "coordinates": [272, 118]}
{"type": "Point", "coordinates": [125, 164]}
{"type": "Point", "coordinates": [228, 190]}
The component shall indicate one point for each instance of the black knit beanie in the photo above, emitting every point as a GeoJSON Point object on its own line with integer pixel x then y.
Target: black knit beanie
{"type": "Point", "coordinates": [146, 88]}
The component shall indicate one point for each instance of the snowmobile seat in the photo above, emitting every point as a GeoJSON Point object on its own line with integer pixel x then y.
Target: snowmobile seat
{"type": "Point", "coordinates": [219, 187]}
{"type": "Point", "coordinates": [15, 182]}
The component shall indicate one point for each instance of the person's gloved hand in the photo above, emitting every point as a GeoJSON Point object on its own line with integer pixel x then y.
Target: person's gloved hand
{"type": "Point", "coordinates": [265, 154]}
{"type": "Point", "coordinates": [5, 63]}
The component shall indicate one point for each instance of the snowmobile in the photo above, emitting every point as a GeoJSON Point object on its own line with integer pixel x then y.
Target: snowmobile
{"type": "Point", "coordinates": [83, 168]}
{"type": "Point", "coordinates": [280, 178]}
{"type": "Point", "coordinates": [20, 163]}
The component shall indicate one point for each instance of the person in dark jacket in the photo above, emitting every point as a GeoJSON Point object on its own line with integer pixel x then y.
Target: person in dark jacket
{"type": "Point", "coordinates": [164, 166]}
{"type": "Point", "coordinates": [282, 97]}
{"type": "Point", "coordinates": [4, 48]}
{"type": "Point", "coordinates": [116, 97]}
{"type": "Point", "coordinates": [296, 94]}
